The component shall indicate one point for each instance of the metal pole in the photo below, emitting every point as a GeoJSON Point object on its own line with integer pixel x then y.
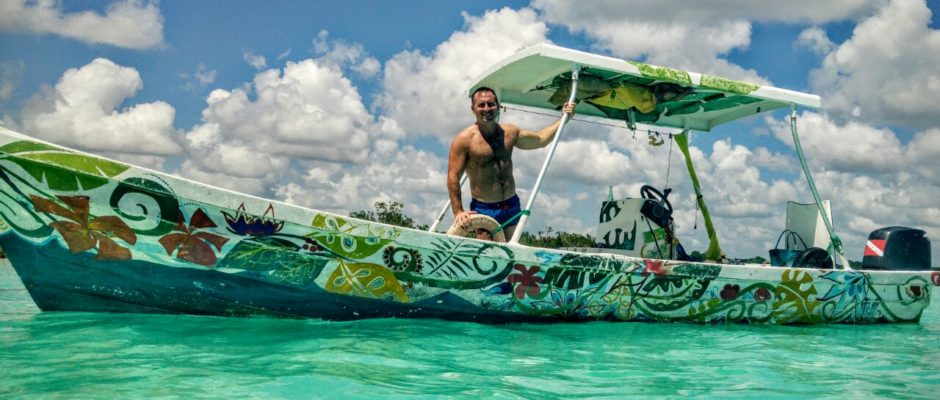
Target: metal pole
{"type": "Point", "coordinates": [836, 242]}
{"type": "Point", "coordinates": [440, 216]}
{"type": "Point", "coordinates": [548, 160]}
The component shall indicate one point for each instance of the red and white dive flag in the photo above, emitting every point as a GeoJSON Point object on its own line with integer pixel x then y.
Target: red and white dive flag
{"type": "Point", "coordinates": [875, 247]}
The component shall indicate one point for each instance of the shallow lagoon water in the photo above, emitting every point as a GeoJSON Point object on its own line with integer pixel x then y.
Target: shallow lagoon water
{"type": "Point", "coordinates": [95, 355]}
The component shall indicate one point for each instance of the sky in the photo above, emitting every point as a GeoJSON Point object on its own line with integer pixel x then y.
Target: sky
{"type": "Point", "coordinates": [337, 105]}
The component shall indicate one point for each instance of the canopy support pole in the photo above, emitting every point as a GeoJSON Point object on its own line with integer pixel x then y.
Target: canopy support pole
{"type": "Point", "coordinates": [440, 215]}
{"type": "Point", "coordinates": [836, 242]}
{"type": "Point", "coordinates": [713, 252]}
{"type": "Point", "coordinates": [548, 160]}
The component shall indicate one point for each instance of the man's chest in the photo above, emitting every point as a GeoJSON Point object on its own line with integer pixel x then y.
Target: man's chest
{"type": "Point", "coordinates": [484, 151]}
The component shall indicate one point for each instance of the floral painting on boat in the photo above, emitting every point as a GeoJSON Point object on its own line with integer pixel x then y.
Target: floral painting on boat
{"type": "Point", "coordinates": [172, 235]}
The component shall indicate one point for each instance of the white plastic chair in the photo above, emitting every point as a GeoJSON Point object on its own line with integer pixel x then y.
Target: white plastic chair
{"type": "Point", "coordinates": [804, 219]}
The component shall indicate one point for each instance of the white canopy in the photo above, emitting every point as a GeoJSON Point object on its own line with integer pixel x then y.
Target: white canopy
{"type": "Point", "coordinates": [539, 76]}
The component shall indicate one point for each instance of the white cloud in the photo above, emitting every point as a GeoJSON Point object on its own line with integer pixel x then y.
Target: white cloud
{"type": "Point", "coordinates": [815, 39]}
{"type": "Point", "coordinates": [341, 54]}
{"type": "Point", "coordinates": [200, 79]}
{"type": "Point", "coordinates": [862, 204]}
{"type": "Point", "coordinates": [886, 73]}
{"type": "Point", "coordinates": [851, 147]}
{"type": "Point", "coordinates": [414, 177]}
{"type": "Point", "coordinates": [81, 111]}
{"type": "Point", "coordinates": [368, 68]}
{"type": "Point", "coordinates": [195, 170]}
{"type": "Point", "coordinates": [147, 161]}
{"type": "Point", "coordinates": [259, 138]}
{"type": "Point", "coordinates": [306, 110]}
{"type": "Point", "coordinates": [924, 150]}
{"type": "Point", "coordinates": [691, 35]}
{"type": "Point", "coordinates": [872, 179]}
{"type": "Point", "coordinates": [397, 172]}
{"type": "Point", "coordinates": [425, 94]}
{"type": "Point", "coordinates": [129, 23]}
{"type": "Point", "coordinates": [203, 75]}
{"type": "Point", "coordinates": [764, 158]}
{"type": "Point", "coordinates": [736, 185]}
{"type": "Point", "coordinates": [588, 162]}
{"type": "Point", "coordinates": [11, 72]}
{"type": "Point", "coordinates": [256, 61]}
{"type": "Point", "coordinates": [559, 212]}
{"type": "Point", "coordinates": [797, 11]}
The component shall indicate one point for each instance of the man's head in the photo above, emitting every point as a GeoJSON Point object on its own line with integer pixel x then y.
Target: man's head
{"type": "Point", "coordinates": [484, 104]}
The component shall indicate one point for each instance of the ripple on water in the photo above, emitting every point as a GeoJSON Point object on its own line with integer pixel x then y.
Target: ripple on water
{"type": "Point", "coordinates": [144, 356]}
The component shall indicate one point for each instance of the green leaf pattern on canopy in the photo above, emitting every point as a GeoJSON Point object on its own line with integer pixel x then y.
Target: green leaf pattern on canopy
{"type": "Point", "coordinates": [728, 85]}
{"type": "Point", "coordinates": [663, 73]}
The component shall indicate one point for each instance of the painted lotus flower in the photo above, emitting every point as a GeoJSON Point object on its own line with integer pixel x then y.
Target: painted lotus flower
{"type": "Point", "coordinates": [525, 280]}
{"type": "Point", "coordinates": [244, 224]}
{"type": "Point", "coordinates": [194, 246]}
{"type": "Point", "coordinates": [82, 232]}
{"type": "Point", "coordinates": [849, 286]}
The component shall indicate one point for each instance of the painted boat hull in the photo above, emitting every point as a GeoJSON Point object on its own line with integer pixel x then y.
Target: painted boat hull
{"type": "Point", "coordinates": [89, 234]}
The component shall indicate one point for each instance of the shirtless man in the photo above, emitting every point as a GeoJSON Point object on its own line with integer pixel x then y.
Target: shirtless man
{"type": "Point", "coordinates": [484, 151]}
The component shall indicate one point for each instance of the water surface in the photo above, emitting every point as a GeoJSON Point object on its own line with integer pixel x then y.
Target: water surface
{"type": "Point", "coordinates": [91, 355]}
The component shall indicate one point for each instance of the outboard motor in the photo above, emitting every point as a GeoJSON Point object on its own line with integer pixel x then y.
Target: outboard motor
{"type": "Point", "coordinates": [897, 248]}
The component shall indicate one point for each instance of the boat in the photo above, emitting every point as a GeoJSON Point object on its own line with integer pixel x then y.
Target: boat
{"type": "Point", "coordinates": [86, 233]}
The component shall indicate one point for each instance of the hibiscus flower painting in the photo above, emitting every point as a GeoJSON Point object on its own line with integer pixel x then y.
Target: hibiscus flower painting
{"type": "Point", "coordinates": [193, 245]}
{"type": "Point", "coordinates": [82, 232]}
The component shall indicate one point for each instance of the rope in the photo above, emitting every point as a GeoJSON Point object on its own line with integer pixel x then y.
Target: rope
{"type": "Point", "coordinates": [509, 221]}
{"type": "Point", "coordinates": [669, 163]}
{"type": "Point", "coordinates": [655, 240]}
{"type": "Point", "coordinates": [588, 121]}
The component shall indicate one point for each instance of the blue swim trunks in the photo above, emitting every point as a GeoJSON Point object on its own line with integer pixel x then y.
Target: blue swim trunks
{"type": "Point", "coordinates": [501, 211]}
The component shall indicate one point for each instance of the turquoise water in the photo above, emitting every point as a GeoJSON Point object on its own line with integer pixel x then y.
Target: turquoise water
{"type": "Point", "coordinates": [86, 355]}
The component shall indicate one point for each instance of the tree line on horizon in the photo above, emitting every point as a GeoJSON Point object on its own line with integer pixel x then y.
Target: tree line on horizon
{"type": "Point", "coordinates": [392, 213]}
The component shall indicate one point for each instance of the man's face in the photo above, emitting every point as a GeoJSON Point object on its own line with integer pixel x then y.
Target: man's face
{"type": "Point", "coordinates": [485, 106]}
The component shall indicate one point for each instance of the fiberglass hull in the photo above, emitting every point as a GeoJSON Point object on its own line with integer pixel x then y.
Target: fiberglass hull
{"type": "Point", "coordinates": [89, 234]}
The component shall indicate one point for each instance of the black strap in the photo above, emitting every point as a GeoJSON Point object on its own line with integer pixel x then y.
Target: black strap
{"type": "Point", "coordinates": [790, 235]}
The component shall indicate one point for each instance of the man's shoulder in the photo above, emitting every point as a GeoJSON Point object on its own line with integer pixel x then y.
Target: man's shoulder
{"type": "Point", "coordinates": [509, 128]}
{"type": "Point", "coordinates": [511, 131]}
{"type": "Point", "coordinates": [468, 130]}
{"type": "Point", "coordinates": [463, 137]}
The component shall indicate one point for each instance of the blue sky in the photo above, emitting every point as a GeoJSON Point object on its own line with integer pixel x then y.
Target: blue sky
{"type": "Point", "coordinates": [335, 105]}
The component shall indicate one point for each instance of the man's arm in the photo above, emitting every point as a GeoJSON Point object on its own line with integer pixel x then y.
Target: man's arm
{"type": "Point", "coordinates": [529, 140]}
{"type": "Point", "coordinates": [456, 163]}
